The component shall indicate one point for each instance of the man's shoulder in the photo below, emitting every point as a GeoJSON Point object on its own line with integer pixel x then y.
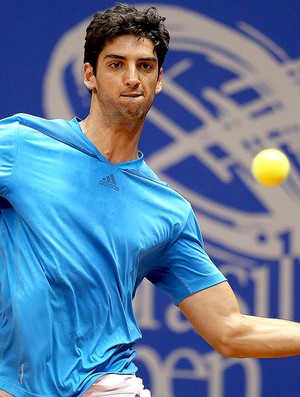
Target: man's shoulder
{"type": "Point", "coordinates": [34, 122]}
{"type": "Point", "coordinates": [161, 186]}
{"type": "Point", "coordinates": [62, 130]}
{"type": "Point", "coordinates": [145, 170]}
{"type": "Point", "coordinates": [39, 123]}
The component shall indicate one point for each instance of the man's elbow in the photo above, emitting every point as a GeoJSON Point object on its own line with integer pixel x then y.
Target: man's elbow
{"type": "Point", "coordinates": [231, 341]}
{"type": "Point", "coordinates": [228, 349]}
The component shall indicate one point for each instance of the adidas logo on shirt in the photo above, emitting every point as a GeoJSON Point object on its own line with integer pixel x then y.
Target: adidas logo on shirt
{"type": "Point", "coordinates": [110, 182]}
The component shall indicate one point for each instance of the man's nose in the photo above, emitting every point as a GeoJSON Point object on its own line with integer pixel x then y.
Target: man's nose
{"type": "Point", "coordinates": [132, 76]}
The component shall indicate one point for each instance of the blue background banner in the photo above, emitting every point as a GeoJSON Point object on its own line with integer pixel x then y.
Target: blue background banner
{"type": "Point", "coordinates": [231, 88]}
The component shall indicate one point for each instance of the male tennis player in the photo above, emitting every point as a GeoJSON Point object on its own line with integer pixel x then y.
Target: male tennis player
{"type": "Point", "coordinates": [84, 220]}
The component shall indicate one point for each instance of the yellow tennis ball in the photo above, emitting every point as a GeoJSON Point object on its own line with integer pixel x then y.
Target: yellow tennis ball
{"type": "Point", "coordinates": [270, 167]}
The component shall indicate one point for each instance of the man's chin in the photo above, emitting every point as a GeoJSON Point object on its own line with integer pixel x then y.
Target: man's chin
{"type": "Point", "coordinates": [134, 113]}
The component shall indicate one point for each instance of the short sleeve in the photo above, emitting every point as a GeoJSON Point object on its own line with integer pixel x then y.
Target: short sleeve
{"type": "Point", "coordinates": [8, 138]}
{"type": "Point", "coordinates": [184, 267]}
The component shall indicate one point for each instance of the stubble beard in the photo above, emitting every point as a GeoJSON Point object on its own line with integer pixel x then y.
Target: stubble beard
{"type": "Point", "coordinates": [139, 113]}
{"type": "Point", "coordinates": [131, 115]}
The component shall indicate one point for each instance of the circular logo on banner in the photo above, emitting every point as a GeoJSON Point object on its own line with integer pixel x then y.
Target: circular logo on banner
{"type": "Point", "coordinates": [227, 94]}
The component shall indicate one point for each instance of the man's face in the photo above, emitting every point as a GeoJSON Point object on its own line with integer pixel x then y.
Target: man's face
{"type": "Point", "coordinates": [126, 78]}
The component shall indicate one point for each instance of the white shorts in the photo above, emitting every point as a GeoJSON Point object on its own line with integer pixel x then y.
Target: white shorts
{"type": "Point", "coordinates": [112, 385]}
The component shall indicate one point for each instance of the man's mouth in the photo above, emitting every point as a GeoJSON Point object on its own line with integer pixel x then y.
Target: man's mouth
{"type": "Point", "coordinates": [131, 94]}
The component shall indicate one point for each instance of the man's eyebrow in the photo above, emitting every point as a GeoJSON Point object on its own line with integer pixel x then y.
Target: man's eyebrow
{"type": "Point", "coordinates": [118, 56]}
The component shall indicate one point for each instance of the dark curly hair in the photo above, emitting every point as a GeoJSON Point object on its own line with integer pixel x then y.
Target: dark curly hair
{"type": "Point", "coordinates": [123, 19]}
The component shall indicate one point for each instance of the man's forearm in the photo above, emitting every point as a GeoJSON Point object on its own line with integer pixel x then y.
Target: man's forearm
{"type": "Point", "coordinates": [259, 337]}
{"type": "Point", "coordinates": [215, 315]}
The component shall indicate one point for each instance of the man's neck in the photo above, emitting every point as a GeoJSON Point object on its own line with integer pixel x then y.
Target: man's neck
{"type": "Point", "coordinates": [117, 143]}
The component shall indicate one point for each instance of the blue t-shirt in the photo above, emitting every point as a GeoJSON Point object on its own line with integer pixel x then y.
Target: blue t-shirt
{"type": "Point", "coordinates": [78, 235]}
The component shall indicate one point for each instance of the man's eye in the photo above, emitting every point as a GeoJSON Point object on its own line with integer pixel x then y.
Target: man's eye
{"type": "Point", "coordinates": [116, 65]}
{"type": "Point", "coordinates": [146, 66]}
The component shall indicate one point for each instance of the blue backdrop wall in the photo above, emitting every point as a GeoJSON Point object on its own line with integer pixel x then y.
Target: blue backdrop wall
{"type": "Point", "coordinates": [231, 88]}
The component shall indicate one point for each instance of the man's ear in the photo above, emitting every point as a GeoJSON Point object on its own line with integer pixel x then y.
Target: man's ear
{"type": "Point", "coordinates": [159, 82]}
{"type": "Point", "coordinates": [88, 75]}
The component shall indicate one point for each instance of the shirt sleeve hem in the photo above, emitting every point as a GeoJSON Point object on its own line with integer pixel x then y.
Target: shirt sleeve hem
{"type": "Point", "coordinates": [197, 287]}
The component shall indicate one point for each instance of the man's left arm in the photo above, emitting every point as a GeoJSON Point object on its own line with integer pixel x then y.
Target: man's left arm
{"type": "Point", "coordinates": [215, 315]}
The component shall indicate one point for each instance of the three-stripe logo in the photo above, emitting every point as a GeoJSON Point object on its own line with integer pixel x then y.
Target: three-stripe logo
{"type": "Point", "coordinates": [109, 181]}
